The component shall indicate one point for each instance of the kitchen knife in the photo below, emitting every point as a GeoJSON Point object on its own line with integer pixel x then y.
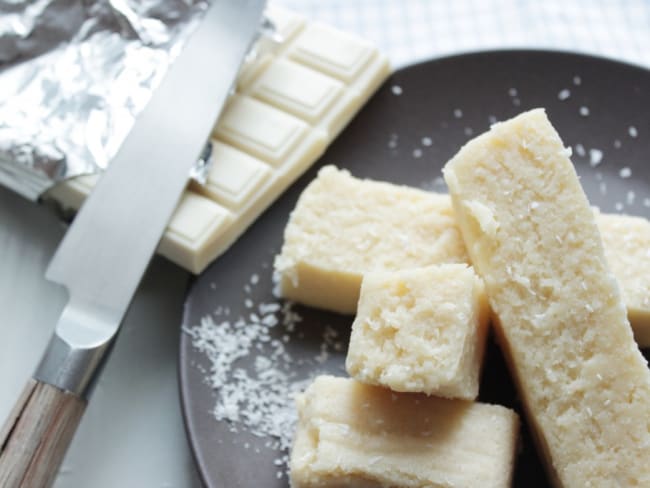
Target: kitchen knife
{"type": "Point", "coordinates": [106, 250]}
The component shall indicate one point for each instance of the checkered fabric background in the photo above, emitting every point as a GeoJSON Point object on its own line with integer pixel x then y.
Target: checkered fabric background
{"type": "Point", "coordinates": [414, 30]}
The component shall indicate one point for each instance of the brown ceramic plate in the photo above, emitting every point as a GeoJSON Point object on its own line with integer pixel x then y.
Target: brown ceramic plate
{"type": "Point", "coordinates": [447, 100]}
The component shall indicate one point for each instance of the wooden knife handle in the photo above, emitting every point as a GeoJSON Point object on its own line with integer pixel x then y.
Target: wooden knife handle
{"type": "Point", "coordinates": [36, 435]}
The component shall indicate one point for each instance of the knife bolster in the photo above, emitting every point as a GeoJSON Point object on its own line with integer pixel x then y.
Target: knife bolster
{"type": "Point", "coordinates": [76, 349]}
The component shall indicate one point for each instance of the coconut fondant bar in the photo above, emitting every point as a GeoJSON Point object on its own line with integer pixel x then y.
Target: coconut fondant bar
{"type": "Point", "coordinates": [291, 102]}
{"type": "Point", "coordinates": [421, 330]}
{"type": "Point", "coordinates": [627, 250]}
{"type": "Point", "coordinates": [377, 226]}
{"type": "Point", "coordinates": [351, 434]}
{"type": "Point", "coordinates": [343, 227]}
{"type": "Point", "coordinates": [561, 320]}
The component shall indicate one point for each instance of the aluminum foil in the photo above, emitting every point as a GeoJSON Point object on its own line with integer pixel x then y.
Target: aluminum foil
{"type": "Point", "coordinates": [74, 74]}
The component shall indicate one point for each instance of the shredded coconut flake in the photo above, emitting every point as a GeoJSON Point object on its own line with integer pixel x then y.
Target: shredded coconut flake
{"type": "Point", "coordinates": [580, 150]}
{"type": "Point", "coordinates": [458, 113]}
{"type": "Point", "coordinates": [584, 111]}
{"type": "Point", "coordinates": [417, 153]}
{"type": "Point", "coordinates": [256, 398]}
{"type": "Point", "coordinates": [426, 141]}
{"type": "Point", "coordinates": [397, 90]}
{"type": "Point", "coordinates": [564, 94]}
{"type": "Point", "coordinates": [595, 157]}
{"type": "Point", "coordinates": [625, 172]}
{"type": "Point", "coordinates": [577, 81]}
{"type": "Point", "coordinates": [632, 131]}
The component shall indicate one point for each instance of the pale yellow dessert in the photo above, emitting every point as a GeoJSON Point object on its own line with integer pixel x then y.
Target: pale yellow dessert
{"type": "Point", "coordinates": [627, 249]}
{"type": "Point", "coordinates": [421, 330]}
{"type": "Point", "coordinates": [561, 320]}
{"type": "Point", "coordinates": [343, 227]}
{"type": "Point", "coordinates": [354, 435]}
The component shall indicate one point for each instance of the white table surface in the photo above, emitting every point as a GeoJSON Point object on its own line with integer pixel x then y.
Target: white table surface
{"type": "Point", "coordinates": [132, 434]}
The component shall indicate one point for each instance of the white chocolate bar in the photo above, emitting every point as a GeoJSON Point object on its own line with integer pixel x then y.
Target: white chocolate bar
{"type": "Point", "coordinates": [560, 316]}
{"type": "Point", "coordinates": [355, 435]}
{"type": "Point", "coordinates": [72, 193]}
{"type": "Point", "coordinates": [332, 52]}
{"type": "Point", "coordinates": [421, 330]}
{"type": "Point", "coordinates": [287, 109]}
{"type": "Point", "coordinates": [234, 176]}
{"type": "Point", "coordinates": [260, 129]}
{"type": "Point", "coordinates": [326, 254]}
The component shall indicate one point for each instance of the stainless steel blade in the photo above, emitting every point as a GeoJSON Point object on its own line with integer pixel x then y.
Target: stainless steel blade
{"type": "Point", "coordinates": [106, 250]}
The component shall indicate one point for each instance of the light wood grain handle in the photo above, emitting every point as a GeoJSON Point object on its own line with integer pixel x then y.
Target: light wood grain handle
{"type": "Point", "coordinates": [36, 435]}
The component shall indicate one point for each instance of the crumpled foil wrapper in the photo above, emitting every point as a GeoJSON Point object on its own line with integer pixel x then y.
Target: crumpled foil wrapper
{"type": "Point", "coordinates": [74, 74]}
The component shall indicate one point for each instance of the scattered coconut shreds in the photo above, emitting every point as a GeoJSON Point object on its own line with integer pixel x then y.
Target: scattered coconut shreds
{"type": "Point", "coordinates": [577, 81]}
{"type": "Point", "coordinates": [580, 150]}
{"type": "Point", "coordinates": [629, 198]}
{"type": "Point", "coordinates": [564, 94]}
{"type": "Point", "coordinates": [397, 90]}
{"type": "Point", "coordinates": [617, 143]}
{"type": "Point", "coordinates": [584, 111]}
{"type": "Point", "coordinates": [512, 92]}
{"type": "Point", "coordinates": [426, 141]}
{"type": "Point", "coordinates": [417, 153]}
{"type": "Point", "coordinates": [458, 113]}
{"type": "Point", "coordinates": [646, 202]}
{"type": "Point", "coordinates": [468, 131]}
{"type": "Point", "coordinates": [619, 206]}
{"type": "Point", "coordinates": [257, 398]}
{"type": "Point", "coordinates": [595, 157]}
{"type": "Point", "coordinates": [632, 131]}
{"type": "Point", "coordinates": [625, 172]}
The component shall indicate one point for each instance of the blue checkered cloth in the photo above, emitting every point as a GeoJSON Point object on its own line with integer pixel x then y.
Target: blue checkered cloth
{"type": "Point", "coordinates": [413, 30]}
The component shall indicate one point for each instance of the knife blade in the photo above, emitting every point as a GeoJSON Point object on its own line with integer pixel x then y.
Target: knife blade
{"type": "Point", "coordinates": [106, 250]}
